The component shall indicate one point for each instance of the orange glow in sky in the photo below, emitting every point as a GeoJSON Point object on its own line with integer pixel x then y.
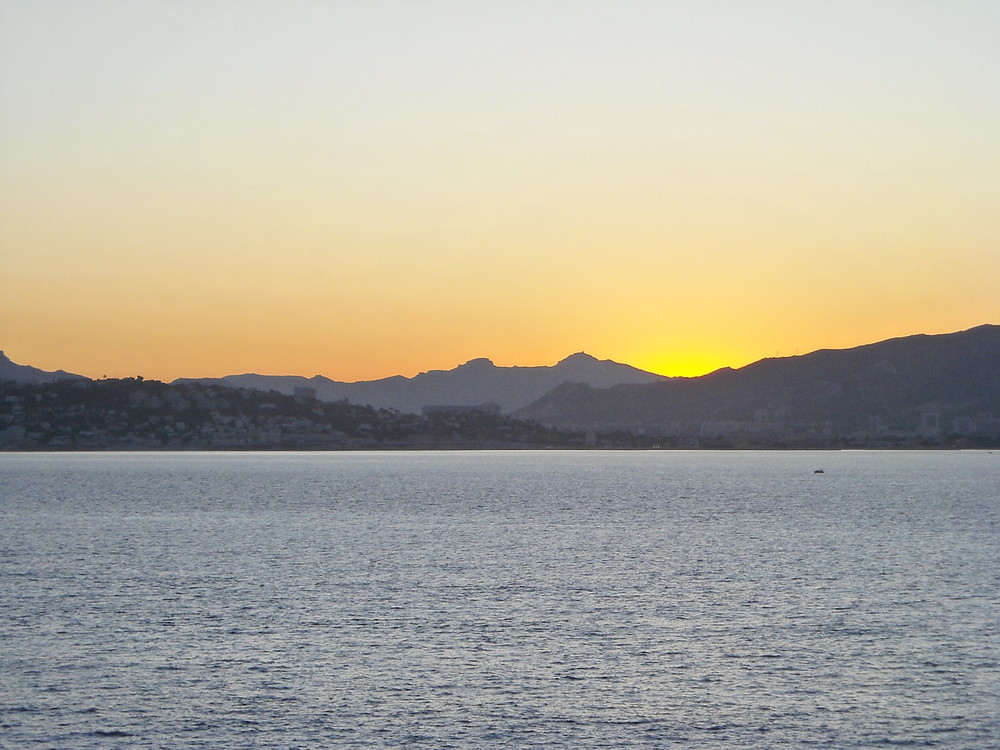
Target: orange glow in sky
{"type": "Point", "coordinates": [367, 189]}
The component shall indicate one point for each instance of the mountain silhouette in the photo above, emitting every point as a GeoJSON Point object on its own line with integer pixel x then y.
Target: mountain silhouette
{"type": "Point", "coordinates": [929, 384]}
{"type": "Point", "coordinates": [911, 387]}
{"type": "Point", "coordinates": [12, 372]}
{"type": "Point", "coordinates": [476, 382]}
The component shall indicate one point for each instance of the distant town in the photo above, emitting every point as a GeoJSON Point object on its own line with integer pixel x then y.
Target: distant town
{"type": "Point", "coordinates": [137, 414]}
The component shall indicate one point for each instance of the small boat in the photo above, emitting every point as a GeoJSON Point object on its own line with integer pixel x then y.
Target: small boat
{"type": "Point", "coordinates": [819, 471]}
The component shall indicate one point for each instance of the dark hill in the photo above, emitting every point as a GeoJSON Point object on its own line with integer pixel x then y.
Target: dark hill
{"type": "Point", "coordinates": [918, 385]}
{"type": "Point", "coordinates": [11, 372]}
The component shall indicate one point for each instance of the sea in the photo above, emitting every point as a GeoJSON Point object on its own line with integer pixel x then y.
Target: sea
{"type": "Point", "coordinates": [521, 599]}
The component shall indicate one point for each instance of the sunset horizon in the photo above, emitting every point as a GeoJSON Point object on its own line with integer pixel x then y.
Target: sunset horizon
{"type": "Point", "coordinates": [410, 373]}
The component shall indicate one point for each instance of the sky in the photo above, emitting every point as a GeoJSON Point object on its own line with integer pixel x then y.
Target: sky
{"type": "Point", "coordinates": [194, 188]}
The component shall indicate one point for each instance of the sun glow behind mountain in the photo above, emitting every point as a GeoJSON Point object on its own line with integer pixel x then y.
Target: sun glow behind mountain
{"type": "Point", "coordinates": [360, 190]}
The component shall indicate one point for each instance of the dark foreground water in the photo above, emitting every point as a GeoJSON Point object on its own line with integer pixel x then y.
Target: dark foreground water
{"type": "Point", "coordinates": [557, 600]}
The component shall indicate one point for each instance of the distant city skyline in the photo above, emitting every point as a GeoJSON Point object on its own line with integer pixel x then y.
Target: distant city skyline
{"type": "Point", "coordinates": [366, 190]}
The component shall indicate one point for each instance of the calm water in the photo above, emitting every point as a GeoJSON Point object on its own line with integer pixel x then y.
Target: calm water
{"type": "Point", "coordinates": [694, 599]}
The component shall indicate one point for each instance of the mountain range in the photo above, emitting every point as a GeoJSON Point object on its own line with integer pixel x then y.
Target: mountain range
{"type": "Point", "coordinates": [477, 382]}
{"type": "Point", "coordinates": [921, 386]}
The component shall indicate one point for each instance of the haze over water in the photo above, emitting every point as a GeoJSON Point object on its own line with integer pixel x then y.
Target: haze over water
{"type": "Point", "coordinates": [522, 599]}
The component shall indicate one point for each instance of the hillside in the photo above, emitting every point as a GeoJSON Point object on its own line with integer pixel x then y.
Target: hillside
{"type": "Point", "coordinates": [15, 373]}
{"type": "Point", "coordinates": [914, 387]}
